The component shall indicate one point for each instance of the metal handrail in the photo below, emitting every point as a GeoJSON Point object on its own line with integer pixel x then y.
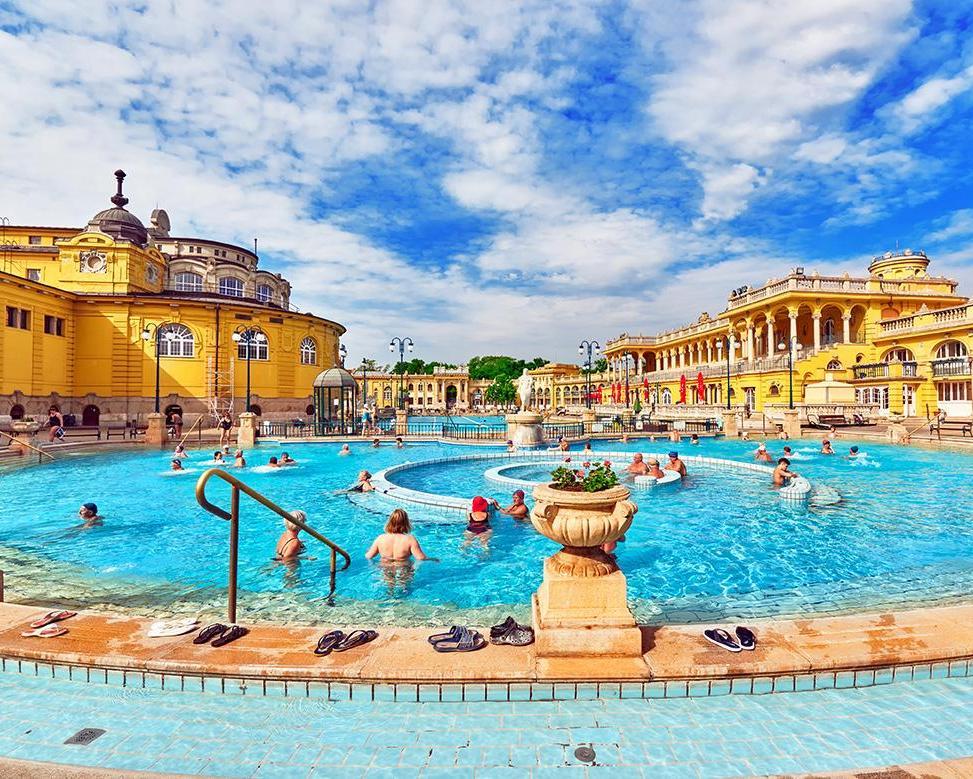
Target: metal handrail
{"type": "Point", "coordinates": [24, 443]}
{"type": "Point", "coordinates": [233, 515]}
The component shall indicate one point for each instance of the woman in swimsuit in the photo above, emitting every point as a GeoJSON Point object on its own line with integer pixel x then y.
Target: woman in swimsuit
{"type": "Point", "coordinates": [226, 425]}
{"type": "Point", "coordinates": [55, 422]}
{"type": "Point", "coordinates": [478, 521]}
{"type": "Point", "coordinates": [289, 545]}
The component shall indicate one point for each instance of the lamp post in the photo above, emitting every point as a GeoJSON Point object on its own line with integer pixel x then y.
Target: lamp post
{"type": "Point", "coordinates": [342, 353]}
{"type": "Point", "coordinates": [364, 382]}
{"type": "Point", "coordinates": [403, 344]}
{"type": "Point", "coordinates": [731, 344]}
{"type": "Point", "coordinates": [626, 379]}
{"type": "Point", "coordinates": [249, 335]}
{"type": "Point", "coordinates": [588, 347]}
{"type": "Point", "coordinates": [790, 367]}
{"type": "Point", "coordinates": [160, 332]}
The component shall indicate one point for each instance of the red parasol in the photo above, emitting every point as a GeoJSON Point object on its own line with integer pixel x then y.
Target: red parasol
{"type": "Point", "coordinates": [682, 388]}
{"type": "Point", "coordinates": [700, 388]}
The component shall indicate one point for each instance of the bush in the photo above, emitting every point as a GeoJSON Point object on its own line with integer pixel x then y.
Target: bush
{"type": "Point", "coordinates": [599, 477]}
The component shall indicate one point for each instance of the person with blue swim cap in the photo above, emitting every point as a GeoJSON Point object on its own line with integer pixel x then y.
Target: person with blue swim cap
{"type": "Point", "coordinates": [675, 464]}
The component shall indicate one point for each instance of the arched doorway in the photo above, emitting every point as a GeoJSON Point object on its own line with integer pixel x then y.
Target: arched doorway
{"type": "Point", "coordinates": [171, 410]}
{"type": "Point", "coordinates": [17, 412]}
{"type": "Point", "coordinates": [90, 415]}
{"type": "Point", "coordinates": [451, 393]}
{"type": "Point", "coordinates": [255, 409]}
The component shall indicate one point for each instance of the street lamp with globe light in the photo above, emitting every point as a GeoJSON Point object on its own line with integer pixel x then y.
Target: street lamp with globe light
{"type": "Point", "coordinates": [161, 331]}
{"type": "Point", "coordinates": [402, 344]}
{"type": "Point", "coordinates": [251, 337]}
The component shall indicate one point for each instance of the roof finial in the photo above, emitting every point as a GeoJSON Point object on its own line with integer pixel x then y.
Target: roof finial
{"type": "Point", "coordinates": [118, 198]}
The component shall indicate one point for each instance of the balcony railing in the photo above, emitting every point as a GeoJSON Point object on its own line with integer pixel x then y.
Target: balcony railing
{"type": "Point", "coordinates": [951, 366]}
{"type": "Point", "coordinates": [209, 289]}
{"type": "Point", "coordinates": [886, 370]}
{"type": "Point", "coordinates": [930, 320]}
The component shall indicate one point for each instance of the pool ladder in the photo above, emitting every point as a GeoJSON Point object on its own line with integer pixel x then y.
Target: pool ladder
{"type": "Point", "coordinates": [233, 515]}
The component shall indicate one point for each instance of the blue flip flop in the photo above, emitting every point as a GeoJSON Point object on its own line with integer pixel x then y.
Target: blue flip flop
{"type": "Point", "coordinates": [466, 641]}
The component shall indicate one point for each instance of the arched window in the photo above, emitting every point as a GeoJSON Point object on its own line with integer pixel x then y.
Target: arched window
{"type": "Point", "coordinates": [189, 282]}
{"type": "Point", "coordinates": [259, 349]}
{"type": "Point", "coordinates": [774, 391]}
{"type": "Point", "coordinates": [309, 351]}
{"type": "Point", "coordinates": [834, 365]}
{"type": "Point", "coordinates": [231, 287]}
{"type": "Point", "coordinates": [176, 341]}
{"type": "Point", "coordinates": [265, 293]}
{"type": "Point", "coordinates": [666, 397]}
{"type": "Point", "coordinates": [17, 412]}
{"type": "Point", "coordinates": [951, 349]}
{"type": "Point", "coordinates": [387, 395]}
{"type": "Point", "coordinates": [829, 336]}
{"type": "Point", "coordinates": [899, 355]}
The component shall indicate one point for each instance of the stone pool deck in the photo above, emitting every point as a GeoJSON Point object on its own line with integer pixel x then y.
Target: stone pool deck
{"type": "Point", "coordinates": [847, 650]}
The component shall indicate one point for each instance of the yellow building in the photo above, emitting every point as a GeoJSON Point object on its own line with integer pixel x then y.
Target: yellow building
{"type": "Point", "coordinates": [85, 309]}
{"type": "Point", "coordinates": [443, 389]}
{"type": "Point", "coordinates": [899, 335]}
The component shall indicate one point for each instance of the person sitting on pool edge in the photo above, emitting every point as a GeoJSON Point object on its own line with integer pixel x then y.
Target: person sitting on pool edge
{"type": "Point", "coordinates": [286, 459]}
{"type": "Point", "coordinates": [675, 464]}
{"type": "Point", "coordinates": [289, 545]}
{"type": "Point", "coordinates": [397, 543]}
{"type": "Point", "coordinates": [762, 455]}
{"type": "Point", "coordinates": [518, 509]}
{"type": "Point", "coordinates": [826, 447]}
{"type": "Point", "coordinates": [176, 464]}
{"type": "Point", "coordinates": [638, 466]}
{"type": "Point", "coordinates": [782, 472]}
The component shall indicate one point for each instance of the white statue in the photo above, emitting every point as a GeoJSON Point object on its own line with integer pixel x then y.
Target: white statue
{"type": "Point", "coordinates": [524, 385]}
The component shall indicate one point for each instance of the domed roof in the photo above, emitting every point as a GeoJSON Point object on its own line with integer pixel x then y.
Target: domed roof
{"type": "Point", "coordinates": [335, 378]}
{"type": "Point", "coordinates": [117, 222]}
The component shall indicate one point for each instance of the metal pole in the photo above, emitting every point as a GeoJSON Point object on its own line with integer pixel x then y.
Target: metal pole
{"type": "Point", "coordinates": [249, 341]}
{"type": "Point", "coordinates": [234, 543]}
{"type": "Point", "coordinates": [626, 381]}
{"type": "Point", "coordinates": [158, 336]}
{"type": "Point", "coordinates": [790, 372]}
{"type": "Point", "coordinates": [728, 347]}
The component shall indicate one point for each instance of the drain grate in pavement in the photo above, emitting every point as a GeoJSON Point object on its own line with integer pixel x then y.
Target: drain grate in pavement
{"type": "Point", "coordinates": [85, 736]}
{"type": "Point", "coordinates": [585, 754]}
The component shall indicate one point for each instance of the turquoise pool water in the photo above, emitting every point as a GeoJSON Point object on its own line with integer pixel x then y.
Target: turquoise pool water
{"type": "Point", "coordinates": [721, 545]}
{"type": "Point", "coordinates": [233, 735]}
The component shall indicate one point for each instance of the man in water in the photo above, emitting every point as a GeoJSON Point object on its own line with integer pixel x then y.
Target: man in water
{"type": "Point", "coordinates": [762, 455]}
{"type": "Point", "coordinates": [781, 472]}
{"type": "Point", "coordinates": [694, 440]}
{"type": "Point", "coordinates": [398, 442]}
{"type": "Point", "coordinates": [272, 463]}
{"type": "Point", "coordinates": [286, 459]}
{"type": "Point", "coordinates": [239, 461]}
{"type": "Point", "coordinates": [654, 470]}
{"type": "Point", "coordinates": [852, 453]}
{"type": "Point", "coordinates": [345, 450]}
{"type": "Point", "coordinates": [376, 443]}
{"type": "Point", "coordinates": [89, 514]}
{"type": "Point", "coordinates": [787, 451]}
{"type": "Point", "coordinates": [563, 444]}
{"type": "Point", "coordinates": [511, 447]}
{"type": "Point", "coordinates": [638, 466]}
{"type": "Point", "coordinates": [675, 464]}
{"type": "Point", "coordinates": [518, 509]}
{"type": "Point", "coordinates": [177, 465]}
{"type": "Point", "coordinates": [826, 447]}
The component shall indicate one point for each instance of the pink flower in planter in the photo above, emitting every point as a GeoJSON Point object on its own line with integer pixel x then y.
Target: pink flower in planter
{"type": "Point", "coordinates": [608, 463]}
{"type": "Point", "coordinates": [586, 464]}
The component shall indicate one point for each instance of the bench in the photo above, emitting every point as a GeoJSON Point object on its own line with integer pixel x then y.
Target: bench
{"type": "Point", "coordinates": [80, 430]}
{"type": "Point", "coordinates": [827, 420]}
{"type": "Point", "coordinates": [941, 423]}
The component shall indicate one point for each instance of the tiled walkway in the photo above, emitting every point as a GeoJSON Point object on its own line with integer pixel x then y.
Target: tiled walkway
{"type": "Point", "coordinates": [220, 735]}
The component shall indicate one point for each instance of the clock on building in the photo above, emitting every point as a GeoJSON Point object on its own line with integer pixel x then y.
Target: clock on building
{"type": "Point", "coordinates": [93, 262]}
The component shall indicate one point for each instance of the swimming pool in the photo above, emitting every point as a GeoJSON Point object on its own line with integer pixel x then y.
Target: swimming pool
{"type": "Point", "coordinates": [719, 546]}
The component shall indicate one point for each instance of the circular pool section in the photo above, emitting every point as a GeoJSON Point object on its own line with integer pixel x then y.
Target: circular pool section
{"type": "Point", "coordinates": [719, 546]}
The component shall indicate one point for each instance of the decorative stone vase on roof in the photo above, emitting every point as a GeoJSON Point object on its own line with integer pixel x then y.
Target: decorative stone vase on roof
{"type": "Point", "coordinates": [117, 222]}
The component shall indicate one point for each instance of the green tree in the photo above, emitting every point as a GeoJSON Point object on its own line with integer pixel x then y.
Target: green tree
{"type": "Point", "coordinates": [416, 366]}
{"type": "Point", "coordinates": [600, 365]}
{"type": "Point", "coordinates": [502, 392]}
{"type": "Point", "coordinates": [496, 365]}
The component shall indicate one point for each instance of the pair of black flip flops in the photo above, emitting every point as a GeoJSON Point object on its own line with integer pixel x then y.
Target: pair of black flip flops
{"type": "Point", "coordinates": [218, 634]}
{"type": "Point", "coordinates": [511, 633]}
{"type": "Point", "coordinates": [458, 639]}
{"type": "Point", "coordinates": [745, 639]}
{"type": "Point", "coordinates": [337, 641]}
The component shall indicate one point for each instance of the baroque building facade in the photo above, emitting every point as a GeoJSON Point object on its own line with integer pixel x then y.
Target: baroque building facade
{"type": "Point", "coordinates": [85, 311]}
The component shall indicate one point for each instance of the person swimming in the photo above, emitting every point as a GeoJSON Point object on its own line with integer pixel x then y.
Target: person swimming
{"type": "Point", "coordinates": [511, 447]}
{"type": "Point", "coordinates": [89, 515]}
{"type": "Point", "coordinates": [399, 444]}
{"type": "Point", "coordinates": [239, 461]}
{"type": "Point", "coordinates": [345, 450]}
{"type": "Point", "coordinates": [218, 457]}
{"type": "Point", "coordinates": [376, 443]}
{"type": "Point", "coordinates": [694, 440]}
{"type": "Point", "coordinates": [176, 464]}
{"type": "Point", "coordinates": [788, 451]}
{"type": "Point", "coordinates": [272, 463]}
{"type": "Point", "coordinates": [289, 545]}
{"type": "Point", "coordinates": [762, 455]}
{"type": "Point", "coordinates": [286, 459]}
{"type": "Point", "coordinates": [396, 544]}
{"type": "Point", "coordinates": [826, 447]}
{"type": "Point", "coordinates": [180, 452]}
{"type": "Point", "coordinates": [852, 453]}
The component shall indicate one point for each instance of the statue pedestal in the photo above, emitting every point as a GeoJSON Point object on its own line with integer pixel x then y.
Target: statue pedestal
{"type": "Point", "coordinates": [155, 432]}
{"type": "Point", "coordinates": [792, 423]}
{"type": "Point", "coordinates": [525, 429]}
{"type": "Point", "coordinates": [897, 432]}
{"type": "Point", "coordinates": [246, 437]}
{"type": "Point", "coordinates": [588, 416]}
{"type": "Point", "coordinates": [731, 428]}
{"type": "Point", "coordinates": [401, 422]}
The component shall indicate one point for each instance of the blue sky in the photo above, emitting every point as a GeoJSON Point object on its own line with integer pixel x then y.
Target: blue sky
{"type": "Point", "coordinates": [512, 179]}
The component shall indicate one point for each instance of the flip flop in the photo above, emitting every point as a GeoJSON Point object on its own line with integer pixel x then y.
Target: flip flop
{"type": "Point", "coordinates": [327, 642]}
{"type": "Point", "coordinates": [175, 627]}
{"type": "Point", "coordinates": [467, 641]}
{"type": "Point", "coordinates": [232, 634]}
{"type": "Point", "coordinates": [52, 616]}
{"type": "Point", "coordinates": [450, 636]}
{"type": "Point", "coordinates": [746, 638]}
{"type": "Point", "coordinates": [722, 639]}
{"type": "Point", "coordinates": [355, 638]}
{"type": "Point", "coordinates": [209, 632]}
{"type": "Point", "coordinates": [48, 631]}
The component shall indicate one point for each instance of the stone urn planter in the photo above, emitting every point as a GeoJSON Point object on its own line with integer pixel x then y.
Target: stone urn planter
{"type": "Point", "coordinates": [581, 522]}
{"type": "Point", "coordinates": [23, 427]}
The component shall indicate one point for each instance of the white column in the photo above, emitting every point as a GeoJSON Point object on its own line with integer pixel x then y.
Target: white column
{"type": "Point", "coordinates": [846, 322]}
{"type": "Point", "coordinates": [816, 319]}
{"type": "Point", "coordinates": [771, 345]}
{"type": "Point", "coordinates": [709, 351]}
{"type": "Point", "coordinates": [750, 344]}
{"type": "Point", "coordinates": [793, 336]}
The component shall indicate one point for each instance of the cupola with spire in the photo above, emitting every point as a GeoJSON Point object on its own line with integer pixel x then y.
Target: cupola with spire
{"type": "Point", "coordinates": [118, 222]}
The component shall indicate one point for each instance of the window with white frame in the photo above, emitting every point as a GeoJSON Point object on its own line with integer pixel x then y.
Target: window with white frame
{"type": "Point", "coordinates": [309, 351]}
{"type": "Point", "coordinates": [231, 286]}
{"type": "Point", "coordinates": [874, 396]}
{"type": "Point", "coordinates": [666, 397]}
{"type": "Point", "coordinates": [259, 349]}
{"type": "Point", "coordinates": [899, 355]}
{"type": "Point", "coordinates": [176, 340]}
{"type": "Point", "coordinates": [951, 349]}
{"type": "Point", "coordinates": [265, 293]}
{"type": "Point", "coordinates": [189, 282]}
{"type": "Point", "coordinates": [953, 390]}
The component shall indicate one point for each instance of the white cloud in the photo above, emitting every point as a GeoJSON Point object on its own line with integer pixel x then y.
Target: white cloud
{"type": "Point", "coordinates": [920, 106]}
{"type": "Point", "coordinates": [727, 188]}
{"type": "Point", "coordinates": [955, 225]}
